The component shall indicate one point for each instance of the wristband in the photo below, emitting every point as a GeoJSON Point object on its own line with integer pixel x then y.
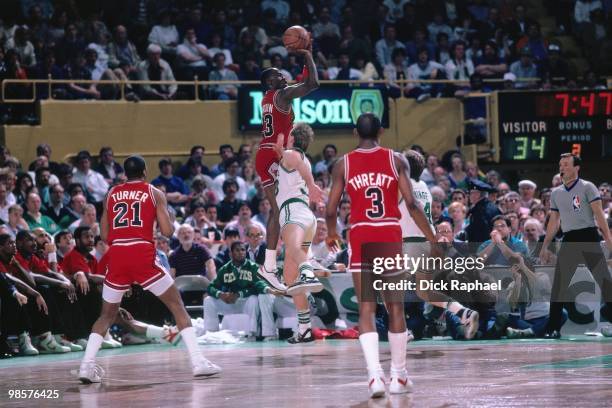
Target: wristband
{"type": "Point", "coordinates": [52, 257]}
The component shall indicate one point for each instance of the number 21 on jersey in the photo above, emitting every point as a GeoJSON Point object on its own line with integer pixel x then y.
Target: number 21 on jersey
{"type": "Point", "coordinates": [121, 219]}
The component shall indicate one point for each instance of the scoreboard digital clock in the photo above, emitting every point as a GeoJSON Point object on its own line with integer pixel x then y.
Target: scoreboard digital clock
{"type": "Point", "coordinates": [539, 126]}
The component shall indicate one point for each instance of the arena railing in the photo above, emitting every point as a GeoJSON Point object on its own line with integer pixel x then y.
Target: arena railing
{"type": "Point", "coordinates": [198, 85]}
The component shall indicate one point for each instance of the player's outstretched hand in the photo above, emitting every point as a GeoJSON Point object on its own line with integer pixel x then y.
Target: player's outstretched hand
{"type": "Point", "coordinates": [315, 194]}
{"type": "Point", "coordinates": [333, 242]}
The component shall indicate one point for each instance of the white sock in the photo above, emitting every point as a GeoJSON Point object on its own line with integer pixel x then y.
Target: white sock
{"type": "Point", "coordinates": [369, 345]}
{"type": "Point", "coordinates": [189, 338]}
{"type": "Point", "coordinates": [154, 332]}
{"type": "Point", "coordinates": [93, 345]}
{"type": "Point", "coordinates": [454, 307]}
{"type": "Point", "coordinates": [304, 322]}
{"type": "Point", "coordinates": [270, 261]}
{"type": "Point", "coordinates": [397, 344]}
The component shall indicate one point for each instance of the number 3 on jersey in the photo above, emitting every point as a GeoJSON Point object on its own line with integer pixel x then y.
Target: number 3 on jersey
{"type": "Point", "coordinates": [377, 210]}
{"type": "Point", "coordinates": [268, 125]}
{"type": "Point", "coordinates": [121, 221]}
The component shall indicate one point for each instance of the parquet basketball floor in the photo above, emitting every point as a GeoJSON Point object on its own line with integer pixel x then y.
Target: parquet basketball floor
{"type": "Point", "coordinates": [576, 371]}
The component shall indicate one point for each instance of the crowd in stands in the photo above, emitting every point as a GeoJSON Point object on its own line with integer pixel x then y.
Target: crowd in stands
{"type": "Point", "coordinates": [164, 40]}
{"type": "Point", "coordinates": [52, 259]}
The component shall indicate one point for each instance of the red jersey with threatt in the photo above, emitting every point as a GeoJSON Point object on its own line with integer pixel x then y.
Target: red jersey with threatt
{"type": "Point", "coordinates": [372, 185]}
{"type": "Point", "coordinates": [131, 212]}
{"type": "Point", "coordinates": [274, 120]}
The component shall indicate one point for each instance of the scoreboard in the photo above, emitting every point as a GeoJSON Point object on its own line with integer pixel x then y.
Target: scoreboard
{"type": "Point", "coordinates": [539, 126]}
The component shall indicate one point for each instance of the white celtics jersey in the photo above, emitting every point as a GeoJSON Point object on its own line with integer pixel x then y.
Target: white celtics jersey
{"type": "Point", "coordinates": [290, 184]}
{"type": "Point", "coordinates": [423, 196]}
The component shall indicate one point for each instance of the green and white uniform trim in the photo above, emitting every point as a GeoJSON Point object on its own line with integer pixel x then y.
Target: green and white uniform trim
{"type": "Point", "coordinates": [415, 245]}
{"type": "Point", "coordinates": [292, 200]}
{"type": "Point", "coordinates": [423, 197]}
{"type": "Point", "coordinates": [289, 183]}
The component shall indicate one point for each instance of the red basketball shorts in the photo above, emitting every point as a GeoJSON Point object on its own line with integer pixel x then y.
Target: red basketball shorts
{"type": "Point", "coordinates": [266, 165]}
{"type": "Point", "coordinates": [135, 262]}
{"type": "Point", "coordinates": [372, 235]}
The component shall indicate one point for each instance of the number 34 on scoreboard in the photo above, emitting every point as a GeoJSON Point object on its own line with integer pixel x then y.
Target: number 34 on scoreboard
{"type": "Point", "coordinates": [529, 147]}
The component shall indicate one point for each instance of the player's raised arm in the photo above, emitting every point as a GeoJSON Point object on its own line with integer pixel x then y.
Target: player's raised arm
{"type": "Point", "coordinates": [163, 218]}
{"type": "Point", "coordinates": [335, 195]}
{"type": "Point", "coordinates": [310, 83]}
{"type": "Point", "coordinates": [405, 187]}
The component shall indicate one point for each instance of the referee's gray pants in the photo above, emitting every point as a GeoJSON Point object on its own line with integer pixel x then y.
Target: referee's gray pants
{"type": "Point", "coordinates": [578, 246]}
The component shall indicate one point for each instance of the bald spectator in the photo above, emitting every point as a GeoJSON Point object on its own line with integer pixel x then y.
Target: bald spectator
{"type": "Point", "coordinates": [35, 218]}
{"type": "Point", "coordinates": [154, 68]}
{"type": "Point", "coordinates": [191, 258]}
{"type": "Point", "coordinates": [74, 210]}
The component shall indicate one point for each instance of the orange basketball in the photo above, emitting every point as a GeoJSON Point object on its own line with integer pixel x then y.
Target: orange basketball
{"type": "Point", "coordinates": [296, 38]}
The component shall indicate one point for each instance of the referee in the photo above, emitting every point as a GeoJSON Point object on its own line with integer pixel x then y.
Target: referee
{"type": "Point", "coordinates": [577, 205]}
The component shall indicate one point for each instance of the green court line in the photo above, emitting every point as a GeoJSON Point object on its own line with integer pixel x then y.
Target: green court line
{"type": "Point", "coordinates": [603, 361]}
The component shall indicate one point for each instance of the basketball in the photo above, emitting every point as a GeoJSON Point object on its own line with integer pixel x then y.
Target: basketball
{"type": "Point", "coordinates": [296, 38]}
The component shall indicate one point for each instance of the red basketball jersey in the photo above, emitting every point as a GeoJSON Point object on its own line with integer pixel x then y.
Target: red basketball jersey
{"type": "Point", "coordinates": [274, 120]}
{"type": "Point", "coordinates": [371, 181]}
{"type": "Point", "coordinates": [131, 212]}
